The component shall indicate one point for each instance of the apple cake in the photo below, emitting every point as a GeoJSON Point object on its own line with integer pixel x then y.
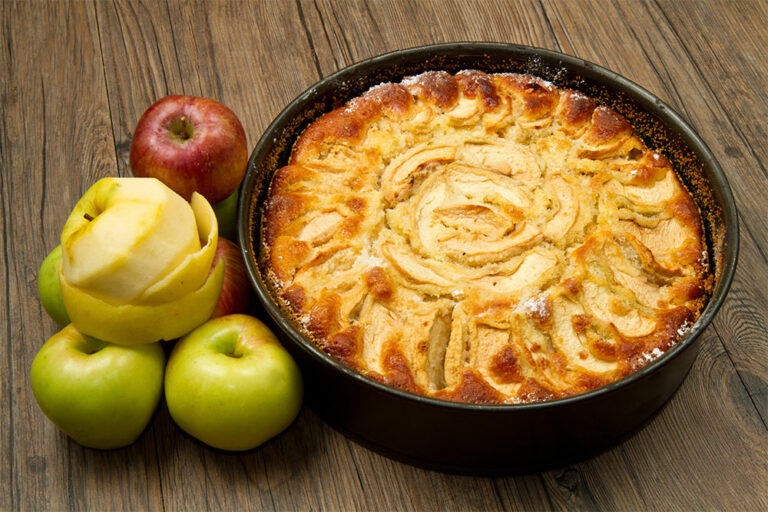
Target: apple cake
{"type": "Point", "coordinates": [484, 238]}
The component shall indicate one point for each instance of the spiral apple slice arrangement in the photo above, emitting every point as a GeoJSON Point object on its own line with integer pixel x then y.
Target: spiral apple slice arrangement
{"type": "Point", "coordinates": [141, 262]}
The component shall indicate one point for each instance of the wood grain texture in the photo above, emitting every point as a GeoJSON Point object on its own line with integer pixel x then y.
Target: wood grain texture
{"type": "Point", "coordinates": [56, 141]}
{"type": "Point", "coordinates": [669, 72]}
{"type": "Point", "coordinates": [151, 50]}
{"type": "Point", "coordinates": [732, 83]}
{"type": "Point", "coordinates": [76, 77]}
{"type": "Point", "coordinates": [660, 62]}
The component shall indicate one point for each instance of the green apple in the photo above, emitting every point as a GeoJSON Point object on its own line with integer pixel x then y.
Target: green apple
{"type": "Point", "coordinates": [100, 394]}
{"type": "Point", "coordinates": [226, 215]}
{"type": "Point", "coordinates": [230, 384]}
{"type": "Point", "coordinates": [136, 262]}
{"type": "Point", "coordinates": [49, 288]}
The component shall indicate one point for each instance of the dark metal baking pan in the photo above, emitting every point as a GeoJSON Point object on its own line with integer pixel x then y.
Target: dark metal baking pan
{"type": "Point", "coordinates": [492, 438]}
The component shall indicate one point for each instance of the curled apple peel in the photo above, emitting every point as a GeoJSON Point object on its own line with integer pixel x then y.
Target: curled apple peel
{"type": "Point", "coordinates": [136, 265]}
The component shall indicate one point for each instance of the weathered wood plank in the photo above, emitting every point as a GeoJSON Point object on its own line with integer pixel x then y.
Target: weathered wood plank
{"type": "Point", "coordinates": [346, 32]}
{"type": "Point", "coordinates": [140, 65]}
{"type": "Point", "coordinates": [74, 83]}
{"type": "Point", "coordinates": [193, 43]}
{"type": "Point", "coordinates": [688, 457]}
{"type": "Point", "coordinates": [56, 141]}
{"type": "Point", "coordinates": [655, 58]}
{"type": "Point", "coordinates": [8, 101]}
{"type": "Point", "coordinates": [252, 56]}
{"type": "Point", "coordinates": [729, 58]}
{"type": "Point", "coordinates": [660, 61]}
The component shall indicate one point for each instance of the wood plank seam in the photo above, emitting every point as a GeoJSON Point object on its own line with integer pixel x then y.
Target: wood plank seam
{"type": "Point", "coordinates": [497, 493]}
{"type": "Point", "coordinates": [160, 56]}
{"type": "Point", "coordinates": [545, 487]}
{"type": "Point", "coordinates": [742, 222]}
{"type": "Point", "coordinates": [214, 65]}
{"type": "Point", "coordinates": [311, 43]}
{"type": "Point", "coordinates": [738, 374]}
{"type": "Point", "coordinates": [327, 37]}
{"type": "Point", "coordinates": [350, 53]}
{"type": "Point", "coordinates": [634, 477]}
{"type": "Point", "coordinates": [9, 344]}
{"type": "Point", "coordinates": [106, 91]}
{"type": "Point", "coordinates": [45, 145]}
{"type": "Point", "coordinates": [549, 26]}
{"type": "Point", "coordinates": [711, 91]}
{"type": "Point", "coordinates": [367, 8]}
{"type": "Point", "coordinates": [355, 464]}
{"type": "Point", "coordinates": [669, 85]}
{"type": "Point", "coordinates": [269, 484]}
{"type": "Point", "coordinates": [70, 480]}
{"type": "Point", "coordinates": [554, 34]}
{"type": "Point", "coordinates": [176, 53]}
{"type": "Point", "coordinates": [12, 480]}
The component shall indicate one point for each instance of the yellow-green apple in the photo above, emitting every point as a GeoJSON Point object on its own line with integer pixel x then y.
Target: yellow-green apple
{"type": "Point", "coordinates": [49, 289]}
{"type": "Point", "coordinates": [230, 384]}
{"type": "Point", "coordinates": [100, 394]}
{"type": "Point", "coordinates": [136, 261]}
{"type": "Point", "coordinates": [226, 215]}
{"type": "Point", "coordinates": [235, 296]}
{"type": "Point", "coordinates": [190, 144]}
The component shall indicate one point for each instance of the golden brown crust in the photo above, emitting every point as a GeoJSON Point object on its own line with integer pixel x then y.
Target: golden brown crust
{"type": "Point", "coordinates": [485, 238]}
{"type": "Point", "coordinates": [472, 389]}
{"type": "Point", "coordinates": [504, 366]}
{"type": "Point", "coordinates": [575, 110]}
{"type": "Point", "coordinates": [397, 372]}
{"type": "Point", "coordinates": [345, 346]}
{"type": "Point", "coordinates": [437, 87]}
{"type": "Point", "coordinates": [379, 284]}
{"type": "Point", "coordinates": [324, 316]}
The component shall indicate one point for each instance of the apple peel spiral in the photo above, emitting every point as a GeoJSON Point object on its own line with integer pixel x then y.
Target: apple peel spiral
{"type": "Point", "coordinates": [136, 263]}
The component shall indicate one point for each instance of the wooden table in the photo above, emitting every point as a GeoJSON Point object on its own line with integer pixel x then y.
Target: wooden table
{"type": "Point", "coordinates": [76, 76]}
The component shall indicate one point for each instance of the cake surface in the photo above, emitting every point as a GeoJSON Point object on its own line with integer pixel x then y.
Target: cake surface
{"type": "Point", "coordinates": [484, 238]}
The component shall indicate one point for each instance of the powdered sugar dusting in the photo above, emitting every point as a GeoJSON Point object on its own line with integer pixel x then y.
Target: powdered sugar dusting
{"type": "Point", "coordinates": [536, 306]}
{"type": "Point", "coordinates": [369, 260]}
{"type": "Point", "coordinates": [411, 80]}
{"type": "Point", "coordinates": [684, 328]}
{"type": "Point", "coordinates": [704, 258]}
{"type": "Point", "coordinates": [652, 355]}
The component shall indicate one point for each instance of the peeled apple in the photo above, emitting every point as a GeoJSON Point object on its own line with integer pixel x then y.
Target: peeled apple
{"type": "Point", "coordinates": [136, 262]}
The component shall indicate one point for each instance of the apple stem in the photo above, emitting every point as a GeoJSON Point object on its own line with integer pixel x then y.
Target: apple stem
{"type": "Point", "coordinates": [181, 128]}
{"type": "Point", "coordinates": [87, 217]}
{"type": "Point", "coordinates": [185, 131]}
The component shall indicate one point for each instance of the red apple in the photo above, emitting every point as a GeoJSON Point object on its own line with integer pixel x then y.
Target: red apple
{"type": "Point", "coordinates": [235, 294]}
{"type": "Point", "coordinates": [190, 144]}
